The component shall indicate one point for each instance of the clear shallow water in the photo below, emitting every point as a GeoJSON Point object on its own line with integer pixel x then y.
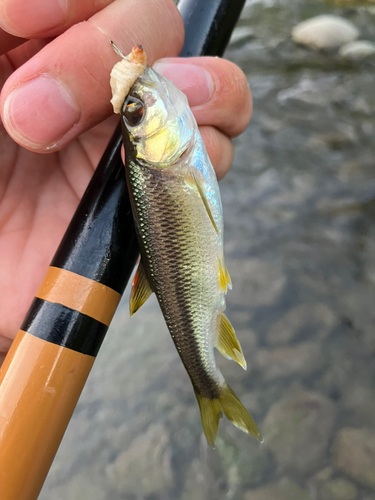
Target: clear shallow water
{"type": "Point", "coordinates": [300, 245]}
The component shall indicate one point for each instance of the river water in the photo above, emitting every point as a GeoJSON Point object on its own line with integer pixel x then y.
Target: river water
{"type": "Point", "coordinates": [299, 206]}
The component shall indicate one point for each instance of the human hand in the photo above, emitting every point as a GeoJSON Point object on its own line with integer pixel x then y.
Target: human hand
{"type": "Point", "coordinates": [55, 99]}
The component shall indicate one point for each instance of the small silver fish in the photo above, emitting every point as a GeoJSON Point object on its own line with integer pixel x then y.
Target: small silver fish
{"type": "Point", "coordinates": [177, 209]}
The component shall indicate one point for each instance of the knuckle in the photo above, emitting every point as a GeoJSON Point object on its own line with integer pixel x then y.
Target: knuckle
{"type": "Point", "coordinates": [238, 96]}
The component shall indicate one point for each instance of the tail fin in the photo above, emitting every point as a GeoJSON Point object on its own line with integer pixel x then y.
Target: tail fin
{"type": "Point", "coordinates": [228, 403]}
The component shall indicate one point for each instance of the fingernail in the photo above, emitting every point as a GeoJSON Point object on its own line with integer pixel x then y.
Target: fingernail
{"type": "Point", "coordinates": [194, 81]}
{"type": "Point", "coordinates": [41, 111]}
{"type": "Point", "coordinates": [38, 16]}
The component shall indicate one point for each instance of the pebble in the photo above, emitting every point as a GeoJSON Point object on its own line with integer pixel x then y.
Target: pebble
{"type": "Point", "coordinates": [302, 359]}
{"type": "Point", "coordinates": [356, 51]}
{"type": "Point", "coordinates": [354, 454]}
{"type": "Point", "coordinates": [145, 468]}
{"type": "Point", "coordinates": [284, 490]}
{"type": "Point", "coordinates": [299, 422]}
{"type": "Point", "coordinates": [325, 32]}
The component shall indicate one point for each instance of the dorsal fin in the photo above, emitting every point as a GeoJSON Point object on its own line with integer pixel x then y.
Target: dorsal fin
{"type": "Point", "coordinates": [204, 199]}
{"type": "Point", "coordinates": [227, 342]}
{"type": "Point", "coordinates": [141, 290]}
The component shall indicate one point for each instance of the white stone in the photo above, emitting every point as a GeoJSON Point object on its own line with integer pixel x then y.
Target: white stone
{"type": "Point", "coordinates": [355, 51]}
{"type": "Point", "coordinates": [325, 32]}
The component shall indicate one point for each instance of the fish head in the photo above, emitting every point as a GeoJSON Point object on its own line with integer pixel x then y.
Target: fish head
{"type": "Point", "coordinates": [157, 123]}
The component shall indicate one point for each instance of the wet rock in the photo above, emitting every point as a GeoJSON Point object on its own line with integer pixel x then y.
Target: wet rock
{"type": "Point", "coordinates": [257, 283]}
{"type": "Point", "coordinates": [301, 320]}
{"type": "Point", "coordinates": [297, 430]}
{"type": "Point", "coordinates": [241, 35]}
{"type": "Point", "coordinates": [354, 454]}
{"type": "Point", "coordinates": [324, 32]}
{"type": "Point", "coordinates": [338, 489]}
{"type": "Point", "coordinates": [302, 359]}
{"type": "Point", "coordinates": [284, 490]}
{"type": "Point", "coordinates": [145, 468]}
{"type": "Point", "coordinates": [356, 51]}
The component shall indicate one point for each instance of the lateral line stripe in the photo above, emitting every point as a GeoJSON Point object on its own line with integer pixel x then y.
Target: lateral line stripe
{"type": "Point", "coordinates": [77, 292]}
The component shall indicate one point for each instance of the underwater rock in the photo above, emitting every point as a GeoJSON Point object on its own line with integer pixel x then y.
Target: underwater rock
{"type": "Point", "coordinates": [255, 283]}
{"type": "Point", "coordinates": [300, 320]}
{"type": "Point", "coordinates": [302, 359]}
{"type": "Point", "coordinates": [338, 489]}
{"type": "Point", "coordinates": [356, 51]}
{"type": "Point", "coordinates": [297, 430]}
{"type": "Point", "coordinates": [145, 468]}
{"type": "Point", "coordinates": [354, 454]}
{"type": "Point", "coordinates": [324, 32]}
{"type": "Point", "coordinates": [284, 490]}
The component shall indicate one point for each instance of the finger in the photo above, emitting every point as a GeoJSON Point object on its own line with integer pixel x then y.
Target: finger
{"type": "Point", "coordinates": [64, 89]}
{"type": "Point", "coordinates": [219, 148]}
{"type": "Point", "coordinates": [45, 18]}
{"type": "Point", "coordinates": [217, 91]}
{"type": "Point", "coordinates": [9, 42]}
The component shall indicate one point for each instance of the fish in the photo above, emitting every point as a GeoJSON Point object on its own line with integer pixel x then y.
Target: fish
{"type": "Point", "coordinates": [178, 215]}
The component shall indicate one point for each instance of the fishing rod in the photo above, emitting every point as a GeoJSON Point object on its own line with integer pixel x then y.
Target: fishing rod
{"type": "Point", "coordinates": [51, 357]}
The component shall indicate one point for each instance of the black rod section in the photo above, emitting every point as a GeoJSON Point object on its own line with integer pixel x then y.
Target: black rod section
{"type": "Point", "coordinates": [208, 25]}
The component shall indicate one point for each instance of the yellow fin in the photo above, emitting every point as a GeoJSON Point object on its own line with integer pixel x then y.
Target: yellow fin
{"type": "Point", "coordinates": [205, 201]}
{"type": "Point", "coordinates": [210, 415]}
{"type": "Point", "coordinates": [222, 278]}
{"type": "Point", "coordinates": [235, 411]}
{"type": "Point", "coordinates": [227, 342]}
{"type": "Point", "coordinates": [140, 290]}
{"type": "Point", "coordinates": [227, 277]}
{"type": "Point", "coordinates": [212, 410]}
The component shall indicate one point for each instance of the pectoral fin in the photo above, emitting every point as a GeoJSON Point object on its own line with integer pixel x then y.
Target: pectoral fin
{"type": "Point", "coordinates": [227, 277]}
{"type": "Point", "coordinates": [141, 290]}
{"type": "Point", "coordinates": [227, 342]}
{"type": "Point", "coordinates": [204, 199]}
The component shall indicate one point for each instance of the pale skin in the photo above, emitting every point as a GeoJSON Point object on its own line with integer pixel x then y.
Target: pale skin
{"type": "Point", "coordinates": [55, 129]}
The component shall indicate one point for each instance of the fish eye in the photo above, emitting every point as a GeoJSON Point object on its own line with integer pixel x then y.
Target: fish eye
{"type": "Point", "coordinates": [133, 111]}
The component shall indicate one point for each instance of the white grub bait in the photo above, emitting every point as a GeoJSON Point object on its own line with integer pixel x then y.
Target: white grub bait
{"type": "Point", "coordinates": [125, 73]}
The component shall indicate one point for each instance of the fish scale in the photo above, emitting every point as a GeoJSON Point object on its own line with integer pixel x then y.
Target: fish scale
{"type": "Point", "coordinates": [188, 304]}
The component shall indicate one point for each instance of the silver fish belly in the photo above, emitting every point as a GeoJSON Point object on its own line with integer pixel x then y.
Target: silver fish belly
{"type": "Point", "coordinates": [177, 209]}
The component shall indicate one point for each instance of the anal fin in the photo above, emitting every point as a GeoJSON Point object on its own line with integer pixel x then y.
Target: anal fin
{"type": "Point", "coordinates": [141, 290]}
{"type": "Point", "coordinates": [228, 344]}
